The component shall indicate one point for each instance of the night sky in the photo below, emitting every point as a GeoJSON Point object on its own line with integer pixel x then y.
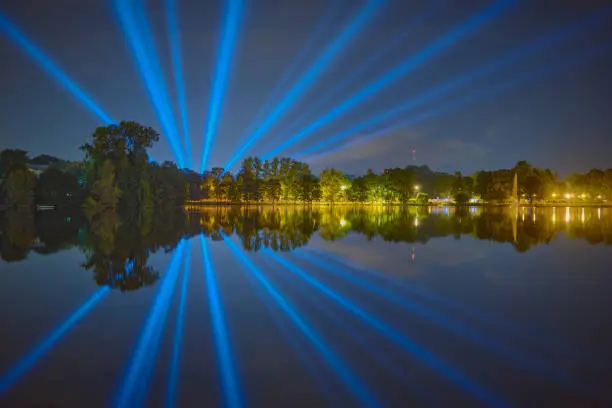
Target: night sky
{"type": "Point", "coordinates": [562, 120]}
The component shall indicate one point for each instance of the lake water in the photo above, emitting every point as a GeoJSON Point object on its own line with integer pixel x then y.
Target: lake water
{"type": "Point", "coordinates": [308, 308]}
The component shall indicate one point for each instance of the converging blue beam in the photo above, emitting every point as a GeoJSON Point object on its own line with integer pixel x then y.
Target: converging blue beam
{"type": "Point", "coordinates": [532, 76]}
{"type": "Point", "coordinates": [296, 63]}
{"type": "Point", "coordinates": [531, 48]}
{"type": "Point", "coordinates": [51, 68]}
{"type": "Point", "coordinates": [383, 359]}
{"type": "Point", "coordinates": [227, 370]}
{"type": "Point", "coordinates": [177, 69]}
{"type": "Point", "coordinates": [489, 319]}
{"type": "Point", "coordinates": [348, 376]}
{"type": "Point", "coordinates": [178, 333]}
{"type": "Point", "coordinates": [294, 342]}
{"type": "Point", "coordinates": [299, 88]}
{"type": "Point", "coordinates": [138, 34]}
{"type": "Point", "coordinates": [133, 389]}
{"type": "Point", "coordinates": [374, 59]}
{"type": "Point", "coordinates": [21, 368]}
{"type": "Point", "coordinates": [411, 63]}
{"type": "Point", "coordinates": [513, 355]}
{"type": "Point", "coordinates": [226, 47]}
{"type": "Point", "coordinates": [418, 351]}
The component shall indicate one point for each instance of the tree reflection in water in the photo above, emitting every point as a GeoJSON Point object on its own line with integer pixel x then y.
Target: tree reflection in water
{"type": "Point", "coordinates": [117, 247]}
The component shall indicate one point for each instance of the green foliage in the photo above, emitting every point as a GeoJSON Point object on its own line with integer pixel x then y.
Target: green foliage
{"type": "Point", "coordinates": [333, 185]}
{"type": "Point", "coordinates": [104, 195]}
{"type": "Point", "coordinates": [18, 188]}
{"type": "Point", "coordinates": [12, 160]}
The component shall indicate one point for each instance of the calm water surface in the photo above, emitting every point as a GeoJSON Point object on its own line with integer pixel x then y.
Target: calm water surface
{"type": "Point", "coordinates": [292, 308]}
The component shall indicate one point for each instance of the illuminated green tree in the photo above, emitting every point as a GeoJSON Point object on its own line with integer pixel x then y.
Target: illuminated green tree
{"type": "Point", "coordinates": [333, 185]}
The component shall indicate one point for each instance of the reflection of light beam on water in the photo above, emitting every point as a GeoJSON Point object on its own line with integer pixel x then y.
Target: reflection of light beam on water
{"type": "Point", "coordinates": [490, 319]}
{"type": "Point", "coordinates": [16, 372]}
{"type": "Point", "coordinates": [134, 386]}
{"type": "Point", "coordinates": [567, 214]}
{"type": "Point", "coordinates": [178, 333]}
{"type": "Point", "coordinates": [582, 215]}
{"type": "Point", "coordinates": [348, 376]}
{"type": "Point", "coordinates": [294, 342]}
{"type": "Point", "coordinates": [554, 215]}
{"type": "Point", "coordinates": [229, 379]}
{"type": "Point", "coordinates": [512, 354]}
{"type": "Point", "coordinates": [356, 335]}
{"type": "Point", "coordinates": [599, 213]}
{"type": "Point", "coordinates": [407, 343]}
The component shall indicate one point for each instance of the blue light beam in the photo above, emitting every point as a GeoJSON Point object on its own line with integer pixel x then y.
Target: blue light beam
{"type": "Point", "coordinates": [21, 368]}
{"type": "Point", "coordinates": [348, 376]}
{"type": "Point", "coordinates": [531, 48]}
{"type": "Point", "coordinates": [539, 73]}
{"type": "Point", "coordinates": [396, 73]}
{"type": "Point", "coordinates": [418, 351]}
{"type": "Point", "coordinates": [383, 359]}
{"type": "Point", "coordinates": [295, 343]}
{"type": "Point", "coordinates": [133, 388]}
{"type": "Point", "coordinates": [44, 62]}
{"type": "Point", "coordinates": [299, 88]}
{"type": "Point", "coordinates": [178, 333]}
{"type": "Point", "coordinates": [138, 34]}
{"type": "Point", "coordinates": [355, 73]}
{"type": "Point", "coordinates": [177, 69]}
{"type": "Point", "coordinates": [227, 369]}
{"type": "Point", "coordinates": [225, 52]}
{"type": "Point", "coordinates": [296, 63]}
{"type": "Point", "coordinates": [482, 316]}
{"type": "Point", "coordinates": [514, 356]}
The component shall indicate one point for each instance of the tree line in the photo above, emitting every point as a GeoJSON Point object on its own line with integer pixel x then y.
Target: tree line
{"type": "Point", "coordinates": [286, 180]}
{"type": "Point", "coordinates": [116, 175]}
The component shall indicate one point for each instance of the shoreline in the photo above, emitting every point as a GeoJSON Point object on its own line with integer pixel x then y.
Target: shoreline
{"type": "Point", "coordinates": [356, 204]}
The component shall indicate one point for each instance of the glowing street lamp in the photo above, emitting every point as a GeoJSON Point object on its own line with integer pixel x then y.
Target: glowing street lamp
{"type": "Point", "coordinates": [554, 195]}
{"type": "Point", "coordinates": [567, 196]}
{"type": "Point", "coordinates": [343, 187]}
{"type": "Point", "coordinates": [417, 187]}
